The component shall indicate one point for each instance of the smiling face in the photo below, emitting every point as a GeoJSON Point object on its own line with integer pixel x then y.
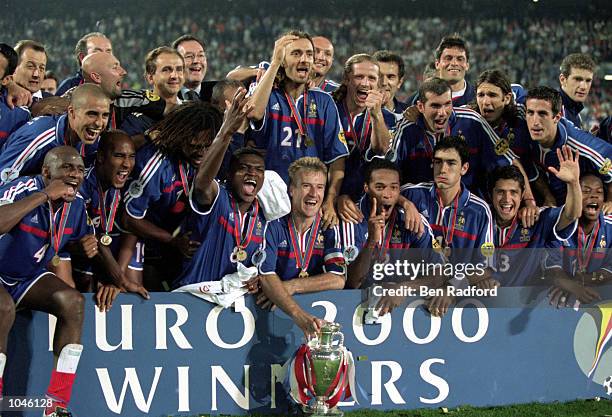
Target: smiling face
{"type": "Point", "coordinates": [111, 74]}
{"type": "Point", "coordinates": [491, 101]}
{"type": "Point", "coordinates": [436, 110]}
{"type": "Point", "coordinates": [363, 79]}
{"type": "Point", "coordinates": [506, 196]}
{"type": "Point", "coordinates": [116, 164]}
{"type": "Point", "coordinates": [578, 84]}
{"type": "Point", "coordinates": [592, 197]}
{"type": "Point", "coordinates": [384, 185]}
{"type": "Point", "coordinates": [298, 62]}
{"type": "Point", "coordinates": [89, 117]}
{"type": "Point", "coordinates": [246, 177]}
{"type": "Point", "coordinates": [323, 55]}
{"type": "Point", "coordinates": [307, 193]}
{"type": "Point", "coordinates": [68, 167]}
{"type": "Point", "coordinates": [31, 69]}
{"type": "Point", "coordinates": [452, 65]}
{"type": "Point", "coordinates": [196, 63]}
{"type": "Point", "coordinates": [168, 77]}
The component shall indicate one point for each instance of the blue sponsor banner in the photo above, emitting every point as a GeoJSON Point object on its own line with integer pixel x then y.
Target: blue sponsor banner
{"type": "Point", "coordinates": [178, 355]}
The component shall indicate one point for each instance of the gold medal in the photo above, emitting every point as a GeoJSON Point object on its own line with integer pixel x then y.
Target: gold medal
{"type": "Point", "coordinates": [435, 243]}
{"type": "Point", "coordinates": [241, 255]}
{"type": "Point", "coordinates": [55, 261]}
{"type": "Point", "coordinates": [303, 274]}
{"type": "Point", "coordinates": [106, 240]}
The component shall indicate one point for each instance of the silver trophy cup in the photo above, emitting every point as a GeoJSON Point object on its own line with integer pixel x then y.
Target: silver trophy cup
{"type": "Point", "coordinates": [326, 362]}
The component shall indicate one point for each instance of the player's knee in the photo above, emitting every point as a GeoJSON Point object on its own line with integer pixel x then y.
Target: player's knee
{"type": "Point", "coordinates": [71, 304]}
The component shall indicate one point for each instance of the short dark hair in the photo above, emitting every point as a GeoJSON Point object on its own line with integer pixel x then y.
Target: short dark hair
{"type": "Point", "coordinates": [185, 38]}
{"type": "Point", "coordinates": [81, 45]}
{"type": "Point", "coordinates": [388, 56]}
{"type": "Point", "coordinates": [22, 45]}
{"type": "Point", "coordinates": [452, 41]}
{"type": "Point", "coordinates": [508, 172]}
{"type": "Point", "coordinates": [454, 142]}
{"type": "Point", "coordinates": [151, 58]}
{"type": "Point", "coordinates": [434, 85]}
{"type": "Point", "coordinates": [499, 79]}
{"type": "Point", "coordinates": [579, 61]}
{"type": "Point", "coordinates": [380, 163]}
{"type": "Point", "coordinates": [108, 137]}
{"type": "Point", "coordinates": [218, 91]}
{"type": "Point", "coordinates": [50, 75]}
{"type": "Point", "coordinates": [546, 93]}
{"type": "Point", "coordinates": [11, 56]}
{"type": "Point", "coordinates": [239, 153]}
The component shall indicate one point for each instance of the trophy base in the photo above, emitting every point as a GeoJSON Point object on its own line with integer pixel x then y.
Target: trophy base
{"type": "Point", "coordinates": [322, 411]}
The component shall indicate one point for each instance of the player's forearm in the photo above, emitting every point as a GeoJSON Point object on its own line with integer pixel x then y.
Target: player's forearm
{"type": "Point", "coordinates": [204, 190]}
{"type": "Point", "coordinates": [262, 92]}
{"type": "Point", "coordinates": [147, 230]}
{"type": "Point", "coordinates": [322, 282]}
{"type": "Point", "coordinates": [556, 276]}
{"type": "Point", "coordinates": [336, 175]}
{"type": "Point", "coordinates": [528, 195]}
{"type": "Point", "coordinates": [358, 270]}
{"type": "Point", "coordinates": [110, 264]}
{"type": "Point", "coordinates": [573, 205]}
{"type": "Point", "coordinates": [241, 73]}
{"type": "Point", "coordinates": [273, 288]}
{"type": "Point", "coordinates": [126, 249]}
{"type": "Point", "coordinates": [11, 214]}
{"type": "Point", "coordinates": [381, 138]}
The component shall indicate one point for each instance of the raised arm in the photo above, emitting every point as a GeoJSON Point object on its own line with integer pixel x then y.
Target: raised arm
{"type": "Point", "coordinates": [569, 173]}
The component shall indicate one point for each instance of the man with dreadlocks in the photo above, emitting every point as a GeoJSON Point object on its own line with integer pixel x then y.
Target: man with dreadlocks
{"type": "Point", "coordinates": [156, 201]}
{"type": "Point", "coordinates": [290, 120]}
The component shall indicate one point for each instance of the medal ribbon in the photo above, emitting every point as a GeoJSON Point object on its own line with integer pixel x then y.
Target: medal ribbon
{"type": "Point", "coordinates": [184, 179]}
{"type": "Point", "coordinates": [449, 232]}
{"type": "Point", "coordinates": [243, 243]}
{"type": "Point", "coordinates": [108, 222]}
{"type": "Point", "coordinates": [301, 124]}
{"type": "Point", "coordinates": [387, 238]}
{"type": "Point", "coordinates": [359, 140]}
{"type": "Point", "coordinates": [302, 259]}
{"type": "Point", "coordinates": [510, 232]}
{"type": "Point", "coordinates": [584, 254]}
{"type": "Point", "coordinates": [58, 232]}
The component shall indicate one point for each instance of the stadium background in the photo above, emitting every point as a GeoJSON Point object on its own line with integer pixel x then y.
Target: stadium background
{"type": "Point", "coordinates": [526, 38]}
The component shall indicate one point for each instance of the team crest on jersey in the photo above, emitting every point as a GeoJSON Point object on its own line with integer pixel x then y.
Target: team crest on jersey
{"type": "Point", "coordinates": [151, 95]}
{"type": "Point", "coordinates": [135, 189]}
{"type": "Point", "coordinates": [606, 167]}
{"type": "Point", "coordinates": [460, 135]}
{"type": "Point", "coordinates": [8, 175]}
{"type": "Point", "coordinates": [460, 222]}
{"type": "Point", "coordinates": [602, 242]}
{"type": "Point", "coordinates": [502, 147]}
{"type": "Point", "coordinates": [312, 109]}
{"type": "Point", "coordinates": [319, 242]}
{"type": "Point", "coordinates": [525, 235]}
{"type": "Point", "coordinates": [350, 253]}
{"type": "Point", "coordinates": [341, 137]}
{"type": "Point", "coordinates": [259, 227]}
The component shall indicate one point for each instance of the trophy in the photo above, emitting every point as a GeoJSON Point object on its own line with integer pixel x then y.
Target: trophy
{"type": "Point", "coordinates": [324, 372]}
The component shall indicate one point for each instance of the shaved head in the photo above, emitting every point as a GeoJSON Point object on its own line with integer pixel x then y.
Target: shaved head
{"type": "Point", "coordinates": [84, 92]}
{"type": "Point", "coordinates": [105, 70]}
{"type": "Point", "coordinates": [59, 155]}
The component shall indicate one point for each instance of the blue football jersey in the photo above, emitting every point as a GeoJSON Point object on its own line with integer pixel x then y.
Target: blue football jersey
{"type": "Point", "coordinates": [520, 251]}
{"type": "Point", "coordinates": [26, 250]}
{"type": "Point", "coordinates": [470, 215]}
{"type": "Point", "coordinates": [214, 227]}
{"type": "Point", "coordinates": [279, 135]}
{"type": "Point", "coordinates": [11, 119]}
{"type": "Point", "coordinates": [595, 157]}
{"type": "Point", "coordinates": [24, 151]}
{"type": "Point", "coordinates": [157, 191]}
{"type": "Point", "coordinates": [280, 253]}
{"type": "Point", "coordinates": [358, 135]}
{"type": "Point", "coordinates": [413, 145]}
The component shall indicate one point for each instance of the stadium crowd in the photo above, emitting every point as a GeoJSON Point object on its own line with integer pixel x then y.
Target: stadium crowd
{"type": "Point", "coordinates": [267, 173]}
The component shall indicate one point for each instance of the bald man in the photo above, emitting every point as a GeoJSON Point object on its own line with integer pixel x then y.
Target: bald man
{"type": "Point", "coordinates": [27, 249]}
{"type": "Point", "coordinates": [105, 70]}
{"type": "Point", "coordinates": [88, 114]}
{"type": "Point", "coordinates": [323, 60]}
